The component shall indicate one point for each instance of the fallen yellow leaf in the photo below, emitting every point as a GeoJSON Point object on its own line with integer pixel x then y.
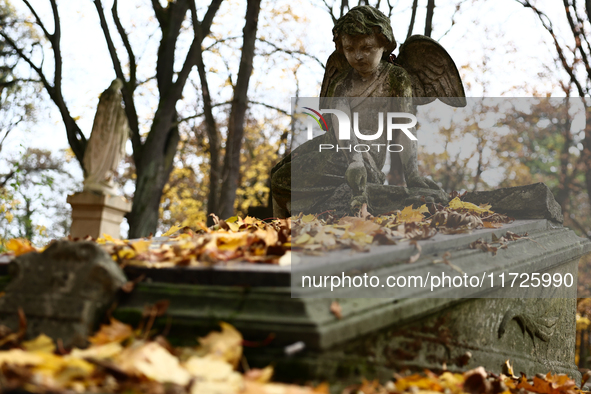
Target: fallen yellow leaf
{"type": "Point", "coordinates": [113, 332]}
{"type": "Point", "coordinates": [42, 344]}
{"type": "Point", "coordinates": [225, 345]}
{"type": "Point", "coordinates": [154, 362]}
{"type": "Point", "coordinates": [456, 203]}
{"type": "Point", "coordinates": [172, 230]}
{"type": "Point", "coordinates": [19, 246]}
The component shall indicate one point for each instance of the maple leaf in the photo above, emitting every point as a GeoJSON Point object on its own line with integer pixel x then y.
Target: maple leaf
{"type": "Point", "coordinates": [408, 214]}
{"type": "Point", "coordinates": [550, 384]}
{"type": "Point", "coordinates": [456, 203]}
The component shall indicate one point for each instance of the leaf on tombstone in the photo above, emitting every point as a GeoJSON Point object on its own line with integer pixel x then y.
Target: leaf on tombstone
{"type": "Point", "coordinates": [484, 246]}
{"type": "Point", "coordinates": [302, 239]}
{"type": "Point", "coordinates": [233, 226]}
{"type": "Point", "coordinates": [414, 258]}
{"type": "Point", "coordinates": [19, 246]}
{"type": "Point", "coordinates": [359, 225]}
{"type": "Point", "coordinates": [325, 239]}
{"type": "Point", "coordinates": [408, 214]}
{"type": "Point", "coordinates": [457, 220]}
{"type": "Point", "coordinates": [231, 241]}
{"type": "Point", "coordinates": [335, 309]}
{"type": "Point", "coordinates": [308, 218]}
{"type": "Point", "coordinates": [113, 332]}
{"type": "Point", "coordinates": [42, 344]}
{"type": "Point", "coordinates": [439, 218]}
{"type": "Point", "coordinates": [458, 204]}
{"type": "Point", "coordinates": [141, 246]}
{"type": "Point", "coordinates": [225, 345]}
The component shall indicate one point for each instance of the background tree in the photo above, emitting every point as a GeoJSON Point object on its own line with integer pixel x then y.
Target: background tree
{"type": "Point", "coordinates": [573, 59]}
{"type": "Point", "coordinates": [17, 94]}
{"type": "Point", "coordinates": [30, 185]}
{"type": "Point", "coordinates": [153, 153]}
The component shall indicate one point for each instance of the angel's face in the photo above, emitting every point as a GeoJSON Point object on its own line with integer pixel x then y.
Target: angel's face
{"type": "Point", "coordinates": [363, 52]}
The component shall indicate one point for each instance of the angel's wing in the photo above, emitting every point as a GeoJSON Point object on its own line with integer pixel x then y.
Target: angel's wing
{"type": "Point", "coordinates": [335, 65]}
{"type": "Point", "coordinates": [432, 71]}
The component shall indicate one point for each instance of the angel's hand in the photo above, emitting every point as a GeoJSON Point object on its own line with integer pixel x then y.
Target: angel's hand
{"type": "Point", "coordinates": [357, 202]}
{"type": "Point", "coordinates": [356, 177]}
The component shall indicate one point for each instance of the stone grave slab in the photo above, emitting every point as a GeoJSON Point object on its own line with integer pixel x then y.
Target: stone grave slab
{"type": "Point", "coordinates": [446, 328]}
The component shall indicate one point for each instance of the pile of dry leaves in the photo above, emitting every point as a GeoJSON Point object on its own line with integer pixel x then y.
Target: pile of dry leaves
{"type": "Point", "coordinates": [321, 233]}
{"type": "Point", "coordinates": [256, 241]}
{"type": "Point", "coordinates": [475, 381]}
{"type": "Point", "coordinates": [123, 360]}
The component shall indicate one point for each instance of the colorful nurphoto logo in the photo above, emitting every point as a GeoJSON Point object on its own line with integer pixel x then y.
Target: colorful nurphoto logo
{"type": "Point", "coordinates": [316, 119]}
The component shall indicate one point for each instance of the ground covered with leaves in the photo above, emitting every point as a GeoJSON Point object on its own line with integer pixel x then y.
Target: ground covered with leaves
{"type": "Point", "coordinates": [120, 359]}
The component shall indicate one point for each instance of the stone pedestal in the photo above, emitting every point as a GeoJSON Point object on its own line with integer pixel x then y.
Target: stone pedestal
{"type": "Point", "coordinates": [96, 214]}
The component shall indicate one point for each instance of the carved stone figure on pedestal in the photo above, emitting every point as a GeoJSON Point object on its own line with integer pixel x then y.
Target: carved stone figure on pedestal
{"type": "Point", "coordinates": [106, 145]}
{"type": "Point", "coordinates": [97, 210]}
{"type": "Point", "coordinates": [362, 67]}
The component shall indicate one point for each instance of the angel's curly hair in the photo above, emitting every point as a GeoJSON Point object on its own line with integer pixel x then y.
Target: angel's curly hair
{"type": "Point", "coordinates": [365, 20]}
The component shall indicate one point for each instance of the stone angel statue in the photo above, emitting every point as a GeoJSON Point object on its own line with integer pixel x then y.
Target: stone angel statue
{"type": "Point", "coordinates": [362, 67]}
{"type": "Point", "coordinates": [106, 145]}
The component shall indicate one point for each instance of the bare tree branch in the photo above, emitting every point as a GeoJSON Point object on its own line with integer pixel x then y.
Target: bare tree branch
{"type": "Point", "coordinates": [429, 19]}
{"type": "Point", "coordinates": [37, 18]}
{"type": "Point", "coordinates": [413, 17]}
{"type": "Point", "coordinates": [284, 112]}
{"type": "Point", "coordinates": [125, 39]}
{"type": "Point", "coordinates": [291, 52]}
{"type": "Point", "coordinates": [547, 24]}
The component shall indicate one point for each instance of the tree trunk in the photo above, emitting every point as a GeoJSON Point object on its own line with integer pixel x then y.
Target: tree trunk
{"type": "Point", "coordinates": [587, 149]}
{"type": "Point", "coordinates": [429, 20]}
{"type": "Point", "coordinates": [231, 171]}
{"type": "Point", "coordinates": [152, 175]}
{"type": "Point", "coordinates": [213, 139]}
